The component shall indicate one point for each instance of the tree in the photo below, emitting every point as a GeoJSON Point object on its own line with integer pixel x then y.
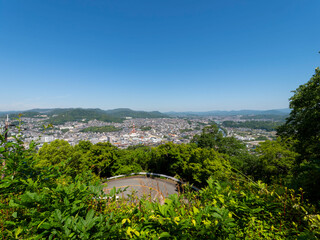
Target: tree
{"type": "Point", "coordinates": [209, 138]}
{"type": "Point", "coordinates": [54, 153]}
{"type": "Point", "coordinates": [276, 159]}
{"type": "Point", "coordinates": [238, 155]}
{"type": "Point", "coordinates": [303, 125]}
{"type": "Point", "coordinates": [204, 163]}
{"type": "Point", "coordinates": [212, 137]}
{"type": "Point", "coordinates": [102, 156]}
{"type": "Point", "coordinates": [303, 122]}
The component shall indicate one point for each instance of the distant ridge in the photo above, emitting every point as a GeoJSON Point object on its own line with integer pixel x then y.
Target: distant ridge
{"type": "Point", "coordinates": [127, 112]}
{"type": "Point", "coordinates": [62, 115]}
{"type": "Point", "coordinates": [280, 112]}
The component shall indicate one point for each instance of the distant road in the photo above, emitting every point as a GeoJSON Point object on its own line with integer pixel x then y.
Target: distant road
{"type": "Point", "coordinates": [156, 188]}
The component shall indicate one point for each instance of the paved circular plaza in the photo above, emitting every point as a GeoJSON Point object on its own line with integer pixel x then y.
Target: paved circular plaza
{"type": "Point", "coordinates": [154, 188]}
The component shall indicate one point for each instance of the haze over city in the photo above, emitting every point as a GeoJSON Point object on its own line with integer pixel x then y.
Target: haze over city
{"type": "Point", "coordinates": [156, 55]}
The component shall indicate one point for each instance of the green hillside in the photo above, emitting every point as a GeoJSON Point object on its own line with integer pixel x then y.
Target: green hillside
{"type": "Point", "coordinates": [264, 125]}
{"type": "Point", "coordinates": [63, 115]}
{"type": "Point", "coordinates": [126, 112]}
{"type": "Point", "coordinates": [79, 114]}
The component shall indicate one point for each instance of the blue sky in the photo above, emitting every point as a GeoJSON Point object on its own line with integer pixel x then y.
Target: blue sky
{"type": "Point", "coordinates": [166, 55]}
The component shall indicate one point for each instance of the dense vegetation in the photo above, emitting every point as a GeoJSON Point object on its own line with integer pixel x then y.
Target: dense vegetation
{"type": "Point", "coordinates": [186, 130]}
{"type": "Point", "coordinates": [271, 117]}
{"type": "Point", "coordinates": [63, 115]}
{"type": "Point", "coordinates": [86, 115]}
{"type": "Point", "coordinates": [109, 128]}
{"type": "Point", "coordinates": [145, 128]}
{"type": "Point", "coordinates": [56, 193]}
{"type": "Point", "coordinates": [303, 127]}
{"type": "Point", "coordinates": [126, 112]}
{"type": "Point", "coordinates": [30, 114]}
{"type": "Point", "coordinates": [264, 125]}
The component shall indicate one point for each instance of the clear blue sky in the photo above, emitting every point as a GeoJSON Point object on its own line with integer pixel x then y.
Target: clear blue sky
{"type": "Point", "coordinates": [156, 54]}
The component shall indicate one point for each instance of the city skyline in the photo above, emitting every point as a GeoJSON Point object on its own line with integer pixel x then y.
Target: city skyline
{"type": "Point", "coordinates": [156, 56]}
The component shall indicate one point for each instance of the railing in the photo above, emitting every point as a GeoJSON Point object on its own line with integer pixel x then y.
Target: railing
{"type": "Point", "coordinates": [151, 175]}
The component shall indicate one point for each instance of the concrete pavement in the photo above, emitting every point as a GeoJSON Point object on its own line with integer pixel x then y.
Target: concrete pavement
{"type": "Point", "coordinates": [155, 188]}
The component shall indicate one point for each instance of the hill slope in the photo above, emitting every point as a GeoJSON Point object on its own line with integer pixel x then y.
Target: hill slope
{"type": "Point", "coordinates": [126, 112]}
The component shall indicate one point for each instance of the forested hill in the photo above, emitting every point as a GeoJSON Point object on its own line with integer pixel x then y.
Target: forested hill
{"type": "Point", "coordinates": [265, 125]}
{"type": "Point", "coordinates": [62, 115]}
{"type": "Point", "coordinates": [70, 115]}
{"type": "Point", "coordinates": [126, 112]}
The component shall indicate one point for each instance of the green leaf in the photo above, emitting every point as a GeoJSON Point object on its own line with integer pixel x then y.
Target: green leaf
{"type": "Point", "coordinates": [10, 223]}
{"type": "Point", "coordinates": [165, 235]}
{"type": "Point", "coordinates": [71, 235]}
{"type": "Point", "coordinates": [18, 231]}
{"type": "Point", "coordinates": [57, 214]}
{"type": "Point", "coordinates": [45, 225]}
{"type": "Point", "coordinates": [5, 184]}
{"type": "Point", "coordinates": [66, 201]}
{"type": "Point", "coordinates": [14, 214]}
{"type": "Point", "coordinates": [41, 222]}
{"type": "Point", "coordinates": [90, 215]}
{"type": "Point", "coordinates": [112, 191]}
{"type": "Point", "coordinates": [13, 204]}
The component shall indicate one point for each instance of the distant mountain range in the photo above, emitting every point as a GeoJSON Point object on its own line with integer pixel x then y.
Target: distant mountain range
{"type": "Point", "coordinates": [278, 112]}
{"type": "Point", "coordinates": [58, 115]}
{"type": "Point", "coordinates": [126, 112]}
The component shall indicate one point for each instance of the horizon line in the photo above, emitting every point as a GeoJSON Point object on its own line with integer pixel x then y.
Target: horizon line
{"type": "Point", "coordinates": [169, 111]}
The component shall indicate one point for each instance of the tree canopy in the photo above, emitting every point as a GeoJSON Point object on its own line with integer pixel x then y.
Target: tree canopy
{"type": "Point", "coordinates": [303, 122]}
{"type": "Point", "coordinates": [303, 125]}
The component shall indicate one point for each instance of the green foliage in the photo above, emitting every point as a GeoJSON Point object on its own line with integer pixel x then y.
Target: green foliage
{"type": "Point", "coordinates": [126, 112]}
{"type": "Point", "coordinates": [235, 150]}
{"type": "Point", "coordinates": [272, 117]}
{"type": "Point", "coordinates": [145, 128]}
{"type": "Point", "coordinates": [18, 164]}
{"type": "Point", "coordinates": [303, 125]}
{"type": "Point", "coordinates": [303, 122]}
{"type": "Point", "coordinates": [65, 130]}
{"type": "Point", "coordinates": [264, 125]}
{"type": "Point", "coordinates": [54, 153]}
{"type": "Point", "coordinates": [43, 203]}
{"type": "Point", "coordinates": [191, 164]}
{"type": "Point", "coordinates": [276, 159]}
{"type": "Point", "coordinates": [212, 137]}
{"type": "Point", "coordinates": [109, 128]}
{"type": "Point", "coordinates": [259, 212]}
{"type": "Point", "coordinates": [102, 156]}
{"type": "Point", "coordinates": [105, 160]}
{"type": "Point", "coordinates": [74, 160]}
{"type": "Point", "coordinates": [47, 203]}
{"type": "Point", "coordinates": [261, 138]}
{"type": "Point", "coordinates": [79, 114]}
{"type": "Point", "coordinates": [185, 130]}
{"type": "Point", "coordinates": [29, 114]}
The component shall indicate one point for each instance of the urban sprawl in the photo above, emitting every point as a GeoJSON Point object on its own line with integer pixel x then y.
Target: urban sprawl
{"type": "Point", "coordinates": [145, 131]}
